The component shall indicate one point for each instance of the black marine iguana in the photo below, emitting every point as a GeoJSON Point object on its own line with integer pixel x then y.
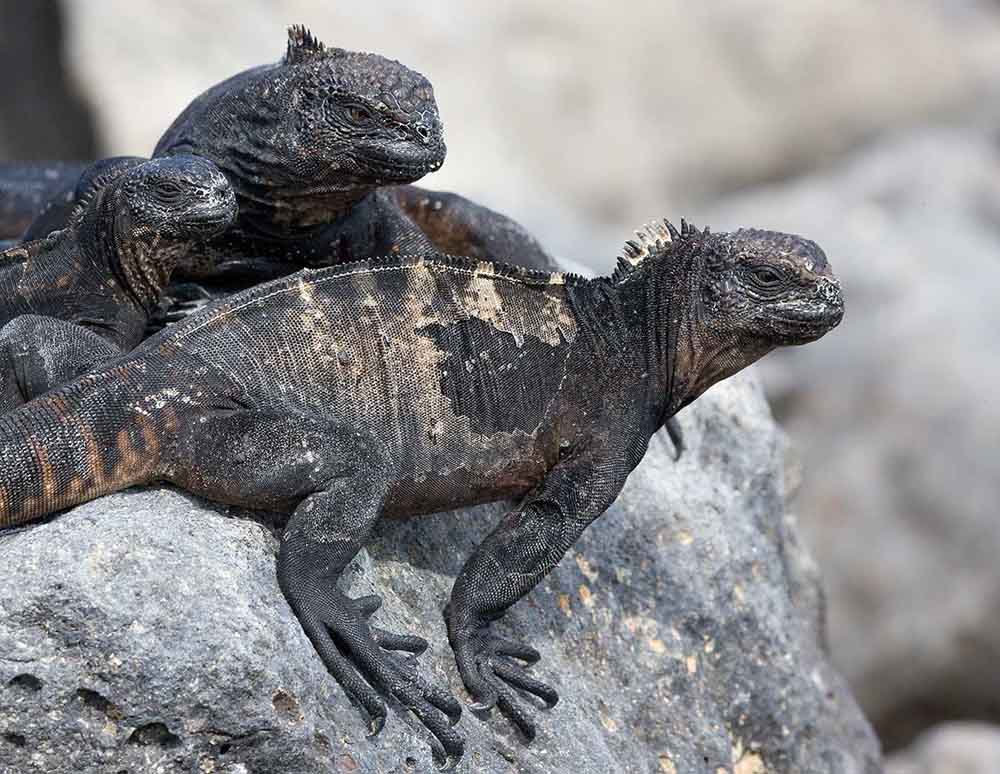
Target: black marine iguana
{"type": "Point", "coordinates": [414, 384]}
{"type": "Point", "coordinates": [85, 293]}
{"type": "Point", "coordinates": [315, 146]}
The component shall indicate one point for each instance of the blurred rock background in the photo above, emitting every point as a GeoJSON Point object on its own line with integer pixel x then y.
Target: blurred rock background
{"type": "Point", "coordinates": [868, 126]}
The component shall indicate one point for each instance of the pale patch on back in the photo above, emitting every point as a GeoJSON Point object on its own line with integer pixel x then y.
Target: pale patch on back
{"type": "Point", "coordinates": [352, 347]}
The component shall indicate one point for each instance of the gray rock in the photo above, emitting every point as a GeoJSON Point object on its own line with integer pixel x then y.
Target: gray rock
{"type": "Point", "coordinates": [897, 419]}
{"type": "Point", "coordinates": [145, 632]}
{"type": "Point", "coordinates": [954, 748]}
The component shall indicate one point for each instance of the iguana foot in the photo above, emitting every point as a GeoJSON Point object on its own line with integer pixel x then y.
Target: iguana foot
{"type": "Point", "coordinates": [489, 671]}
{"type": "Point", "coordinates": [360, 657]}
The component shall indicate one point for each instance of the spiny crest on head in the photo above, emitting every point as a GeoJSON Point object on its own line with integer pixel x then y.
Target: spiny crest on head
{"type": "Point", "coordinates": [101, 181]}
{"type": "Point", "coordinates": [653, 239]}
{"type": "Point", "coordinates": [303, 46]}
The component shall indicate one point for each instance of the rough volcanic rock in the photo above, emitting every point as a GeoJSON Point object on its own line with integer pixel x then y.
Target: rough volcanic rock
{"type": "Point", "coordinates": [954, 748]}
{"type": "Point", "coordinates": [145, 632]}
{"type": "Point", "coordinates": [897, 419]}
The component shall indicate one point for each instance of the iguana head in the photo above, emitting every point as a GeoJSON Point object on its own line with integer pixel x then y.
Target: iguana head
{"type": "Point", "coordinates": [173, 199]}
{"type": "Point", "coordinates": [730, 298]}
{"type": "Point", "coordinates": [140, 217]}
{"type": "Point", "coordinates": [320, 128]}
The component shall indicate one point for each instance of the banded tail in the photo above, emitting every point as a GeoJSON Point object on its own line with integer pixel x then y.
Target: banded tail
{"type": "Point", "coordinates": [78, 442]}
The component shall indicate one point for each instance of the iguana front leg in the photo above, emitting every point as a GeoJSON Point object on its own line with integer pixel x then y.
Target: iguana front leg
{"type": "Point", "coordinates": [38, 353]}
{"type": "Point", "coordinates": [523, 548]}
{"type": "Point", "coordinates": [338, 478]}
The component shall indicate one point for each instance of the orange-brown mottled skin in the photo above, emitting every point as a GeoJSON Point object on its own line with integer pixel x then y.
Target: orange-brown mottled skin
{"type": "Point", "coordinates": [411, 384]}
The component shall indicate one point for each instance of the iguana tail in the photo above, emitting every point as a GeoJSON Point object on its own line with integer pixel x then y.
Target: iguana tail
{"type": "Point", "coordinates": [83, 440]}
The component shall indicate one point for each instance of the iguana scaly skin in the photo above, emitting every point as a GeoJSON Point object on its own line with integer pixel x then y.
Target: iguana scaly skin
{"type": "Point", "coordinates": [315, 146]}
{"type": "Point", "coordinates": [415, 384]}
{"type": "Point", "coordinates": [85, 293]}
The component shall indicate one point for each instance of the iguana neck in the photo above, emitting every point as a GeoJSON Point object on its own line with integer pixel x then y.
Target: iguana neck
{"type": "Point", "coordinates": [140, 262]}
{"type": "Point", "coordinates": [631, 328]}
{"type": "Point", "coordinates": [268, 213]}
{"type": "Point", "coordinates": [276, 210]}
{"type": "Point", "coordinates": [682, 353]}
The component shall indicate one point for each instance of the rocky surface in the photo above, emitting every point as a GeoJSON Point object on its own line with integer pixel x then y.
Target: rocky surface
{"type": "Point", "coordinates": [897, 419]}
{"type": "Point", "coordinates": [955, 748]}
{"type": "Point", "coordinates": [145, 632]}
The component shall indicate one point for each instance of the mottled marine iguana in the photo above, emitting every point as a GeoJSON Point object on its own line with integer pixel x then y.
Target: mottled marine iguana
{"type": "Point", "coordinates": [86, 292]}
{"type": "Point", "coordinates": [414, 384]}
{"type": "Point", "coordinates": [317, 147]}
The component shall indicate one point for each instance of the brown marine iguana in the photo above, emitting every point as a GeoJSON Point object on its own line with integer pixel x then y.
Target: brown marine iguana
{"type": "Point", "coordinates": [316, 147]}
{"type": "Point", "coordinates": [413, 384]}
{"type": "Point", "coordinates": [85, 293]}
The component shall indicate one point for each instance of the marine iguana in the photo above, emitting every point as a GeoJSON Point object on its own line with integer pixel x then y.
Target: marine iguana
{"type": "Point", "coordinates": [315, 146]}
{"type": "Point", "coordinates": [85, 293]}
{"type": "Point", "coordinates": [413, 384]}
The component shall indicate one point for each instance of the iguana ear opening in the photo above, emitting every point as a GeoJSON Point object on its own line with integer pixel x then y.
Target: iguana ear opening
{"type": "Point", "coordinates": [303, 46]}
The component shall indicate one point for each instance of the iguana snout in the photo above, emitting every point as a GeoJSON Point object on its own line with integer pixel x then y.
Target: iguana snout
{"type": "Point", "coordinates": [780, 288]}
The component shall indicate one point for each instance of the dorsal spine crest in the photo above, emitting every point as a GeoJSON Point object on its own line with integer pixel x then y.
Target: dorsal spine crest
{"type": "Point", "coordinates": [303, 46]}
{"type": "Point", "coordinates": [653, 239]}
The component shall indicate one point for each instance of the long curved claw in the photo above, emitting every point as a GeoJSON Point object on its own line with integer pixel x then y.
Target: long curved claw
{"type": "Point", "coordinates": [491, 677]}
{"type": "Point", "coordinates": [520, 679]}
{"type": "Point", "coordinates": [363, 658]}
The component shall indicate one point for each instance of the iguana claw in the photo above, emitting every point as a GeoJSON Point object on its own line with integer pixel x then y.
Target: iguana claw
{"type": "Point", "coordinates": [487, 665]}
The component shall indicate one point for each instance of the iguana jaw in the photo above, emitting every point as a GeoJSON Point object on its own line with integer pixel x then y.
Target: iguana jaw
{"type": "Point", "coordinates": [399, 165]}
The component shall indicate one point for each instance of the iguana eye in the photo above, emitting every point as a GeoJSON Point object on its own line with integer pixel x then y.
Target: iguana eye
{"type": "Point", "coordinates": [169, 191]}
{"type": "Point", "coordinates": [358, 115]}
{"type": "Point", "coordinates": [767, 277]}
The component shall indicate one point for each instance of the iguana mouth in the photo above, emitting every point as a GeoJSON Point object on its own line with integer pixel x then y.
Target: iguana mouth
{"type": "Point", "coordinates": [401, 172]}
{"type": "Point", "coordinates": [403, 163]}
{"type": "Point", "coordinates": [805, 325]}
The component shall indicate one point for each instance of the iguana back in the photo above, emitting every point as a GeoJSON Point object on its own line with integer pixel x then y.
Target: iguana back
{"type": "Point", "coordinates": [431, 355]}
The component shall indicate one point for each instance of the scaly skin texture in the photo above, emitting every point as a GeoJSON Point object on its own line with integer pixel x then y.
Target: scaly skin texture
{"type": "Point", "coordinates": [85, 293]}
{"type": "Point", "coordinates": [416, 384]}
{"type": "Point", "coordinates": [316, 147]}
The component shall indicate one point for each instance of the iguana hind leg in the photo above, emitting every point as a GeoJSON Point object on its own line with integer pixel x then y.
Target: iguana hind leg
{"type": "Point", "coordinates": [39, 353]}
{"type": "Point", "coordinates": [338, 480]}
